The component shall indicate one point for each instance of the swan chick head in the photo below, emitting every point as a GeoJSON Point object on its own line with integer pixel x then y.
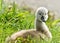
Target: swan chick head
{"type": "Point", "coordinates": [42, 14]}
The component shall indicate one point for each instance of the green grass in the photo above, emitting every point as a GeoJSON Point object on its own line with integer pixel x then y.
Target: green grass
{"type": "Point", "coordinates": [14, 19]}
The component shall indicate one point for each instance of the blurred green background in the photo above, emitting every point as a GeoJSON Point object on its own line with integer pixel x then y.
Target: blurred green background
{"type": "Point", "coordinates": [14, 18]}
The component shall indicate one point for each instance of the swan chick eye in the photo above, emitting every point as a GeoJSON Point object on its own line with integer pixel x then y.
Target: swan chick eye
{"type": "Point", "coordinates": [39, 13]}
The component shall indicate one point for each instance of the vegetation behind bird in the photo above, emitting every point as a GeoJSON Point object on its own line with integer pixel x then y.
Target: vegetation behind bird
{"type": "Point", "coordinates": [14, 19]}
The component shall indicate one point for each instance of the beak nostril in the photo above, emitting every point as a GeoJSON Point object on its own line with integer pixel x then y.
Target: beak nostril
{"type": "Point", "coordinates": [42, 17]}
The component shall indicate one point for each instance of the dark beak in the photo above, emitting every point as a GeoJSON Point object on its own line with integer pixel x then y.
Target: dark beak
{"type": "Point", "coordinates": [42, 18]}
